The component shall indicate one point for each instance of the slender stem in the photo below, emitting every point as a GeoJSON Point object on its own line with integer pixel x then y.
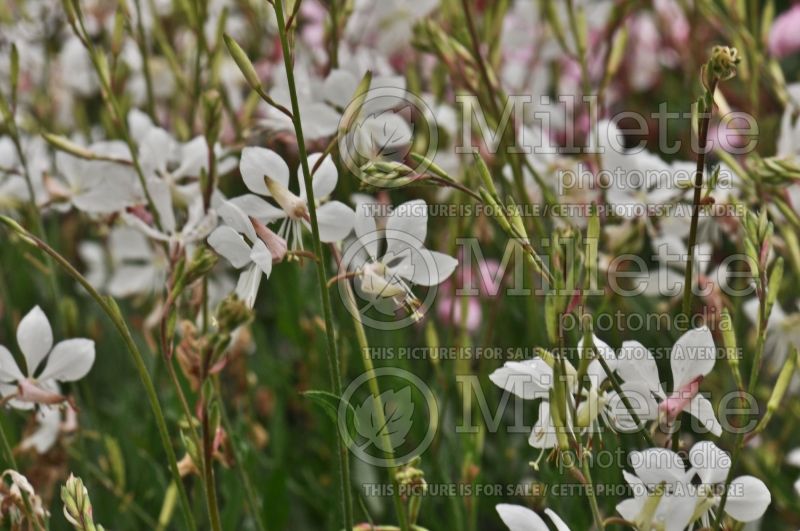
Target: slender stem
{"type": "Point", "coordinates": [110, 308]}
{"type": "Point", "coordinates": [598, 518]}
{"type": "Point", "coordinates": [250, 496]}
{"type": "Point", "coordinates": [141, 40]}
{"type": "Point", "coordinates": [7, 448]}
{"type": "Point", "coordinates": [761, 332]}
{"type": "Point", "coordinates": [208, 468]}
{"type": "Point", "coordinates": [333, 358]}
{"type": "Point", "coordinates": [705, 117]}
{"type": "Point", "coordinates": [375, 391]}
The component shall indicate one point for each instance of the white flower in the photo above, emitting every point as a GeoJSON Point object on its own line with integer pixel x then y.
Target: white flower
{"type": "Point", "coordinates": [670, 497]}
{"type": "Point", "coordinates": [197, 225]}
{"type": "Point", "coordinates": [519, 518]}
{"type": "Point", "coordinates": [319, 119]}
{"type": "Point", "coordinates": [239, 242]}
{"type": "Point", "coordinates": [266, 174]}
{"type": "Point", "coordinates": [664, 498]}
{"type": "Point", "coordinates": [532, 379]}
{"type": "Point", "coordinates": [637, 177]}
{"type": "Point", "coordinates": [793, 458]}
{"type": "Point", "coordinates": [388, 276]}
{"type": "Point", "coordinates": [51, 423]}
{"type": "Point", "coordinates": [691, 359]}
{"type": "Point", "coordinates": [95, 186]}
{"type": "Point", "coordinates": [178, 164]}
{"type": "Point", "coordinates": [748, 497]}
{"type": "Point", "coordinates": [783, 330]}
{"type": "Point", "coordinates": [67, 361]}
{"type": "Point", "coordinates": [139, 267]}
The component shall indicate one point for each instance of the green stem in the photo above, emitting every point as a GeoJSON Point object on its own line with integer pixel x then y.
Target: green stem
{"type": "Point", "coordinates": [110, 308]}
{"type": "Point", "coordinates": [587, 473]}
{"type": "Point", "coordinates": [375, 391]}
{"type": "Point", "coordinates": [250, 496]}
{"type": "Point", "coordinates": [208, 468]}
{"type": "Point", "coordinates": [7, 448]}
{"type": "Point", "coordinates": [333, 358]}
{"type": "Point", "coordinates": [761, 331]}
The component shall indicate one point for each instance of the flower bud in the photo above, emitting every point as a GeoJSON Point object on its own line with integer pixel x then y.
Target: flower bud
{"type": "Point", "coordinates": [243, 62]}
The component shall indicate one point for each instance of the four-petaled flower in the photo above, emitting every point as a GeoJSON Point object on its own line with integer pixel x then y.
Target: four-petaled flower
{"type": "Point", "coordinates": [67, 361]}
{"type": "Point", "coordinates": [266, 174]}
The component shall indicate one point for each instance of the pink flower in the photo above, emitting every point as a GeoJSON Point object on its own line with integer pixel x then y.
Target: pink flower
{"type": "Point", "coordinates": [784, 38]}
{"type": "Point", "coordinates": [482, 281]}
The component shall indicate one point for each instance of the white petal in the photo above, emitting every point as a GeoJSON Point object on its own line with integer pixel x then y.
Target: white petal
{"type": "Point", "coordinates": [236, 218]}
{"type": "Point", "coordinates": [636, 364]}
{"type": "Point", "coordinates": [793, 457]}
{"type": "Point", "coordinates": [70, 360]}
{"type": "Point", "coordinates": [710, 462]}
{"type": "Point", "coordinates": [247, 286]}
{"type": "Point", "coordinates": [655, 465]}
{"type": "Point", "coordinates": [257, 163]}
{"type": "Point", "coordinates": [701, 409]}
{"type": "Point", "coordinates": [543, 434]}
{"type": "Point", "coordinates": [519, 518]}
{"type": "Point", "coordinates": [47, 432]}
{"type": "Point", "coordinates": [156, 149]}
{"type": "Point", "coordinates": [692, 355]}
{"type": "Point", "coordinates": [335, 220]}
{"type": "Point", "coordinates": [9, 371]}
{"type": "Point", "coordinates": [130, 280]}
{"type": "Point", "coordinates": [339, 87]}
{"type": "Point", "coordinates": [162, 199]}
{"type": "Point", "coordinates": [748, 499]}
{"type": "Point", "coordinates": [596, 372]}
{"type": "Point", "coordinates": [527, 379]}
{"type": "Point", "coordinates": [366, 230]}
{"type": "Point", "coordinates": [35, 338]}
{"type": "Point", "coordinates": [254, 206]}
{"type": "Point", "coordinates": [324, 180]}
{"type": "Point", "coordinates": [261, 256]}
{"type": "Point", "coordinates": [407, 226]}
{"type": "Point", "coordinates": [427, 268]}
{"type": "Point", "coordinates": [230, 244]}
{"type": "Point", "coordinates": [559, 524]}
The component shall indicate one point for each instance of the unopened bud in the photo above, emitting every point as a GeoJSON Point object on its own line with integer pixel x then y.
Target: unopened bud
{"type": "Point", "coordinates": [243, 62]}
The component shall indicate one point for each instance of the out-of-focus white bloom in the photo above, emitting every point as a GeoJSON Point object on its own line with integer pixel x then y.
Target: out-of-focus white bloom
{"type": "Point", "coordinates": [96, 186]}
{"type": "Point", "coordinates": [691, 359]}
{"type": "Point", "coordinates": [318, 117]}
{"type": "Point", "coordinates": [178, 164]}
{"type": "Point", "coordinates": [386, 25]}
{"type": "Point", "coordinates": [266, 174]}
{"type": "Point", "coordinates": [52, 421]}
{"type": "Point", "coordinates": [13, 185]}
{"type": "Point", "coordinates": [253, 251]}
{"type": "Point", "coordinates": [77, 71]}
{"type": "Point", "coordinates": [139, 268]}
{"type": "Point", "coordinates": [637, 179]}
{"type": "Point", "coordinates": [783, 330]}
{"type": "Point", "coordinates": [197, 225]}
{"type": "Point", "coordinates": [67, 361]}
{"type": "Point", "coordinates": [519, 518]}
